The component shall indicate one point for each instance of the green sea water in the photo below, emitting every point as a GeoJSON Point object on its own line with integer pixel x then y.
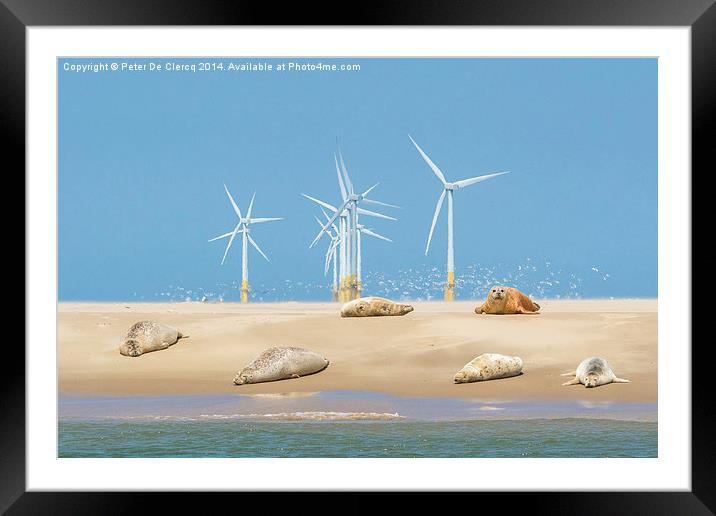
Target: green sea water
{"type": "Point", "coordinates": [350, 424]}
{"type": "Point", "coordinates": [232, 438]}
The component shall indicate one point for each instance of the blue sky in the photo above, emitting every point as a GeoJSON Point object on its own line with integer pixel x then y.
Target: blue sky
{"type": "Point", "coordinates": [143, 156]}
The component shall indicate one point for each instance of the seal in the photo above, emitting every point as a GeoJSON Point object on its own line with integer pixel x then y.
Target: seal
{"type": "Point", "coordinates": [489, 366]}
{"type": "Point", "coordinates": [281, 364]}
{"type": "Point", "coordinates": [593, 372]}
{"type": "Point", "coordinates": [374, 306]}
{"type": "Point", "coordinates": [507, 300]}
{"type": "Point", "coordinates": [146, 336]}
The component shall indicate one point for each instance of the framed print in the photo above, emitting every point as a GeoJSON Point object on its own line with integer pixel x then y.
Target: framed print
{"type": "Point", "coordinates": [441, 249]}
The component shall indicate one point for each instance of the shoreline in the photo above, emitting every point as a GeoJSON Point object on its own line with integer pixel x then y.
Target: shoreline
{"type": "Point", "coordinates": [414, 356]}
{"type": "Point", "coordinates": [340, 406]}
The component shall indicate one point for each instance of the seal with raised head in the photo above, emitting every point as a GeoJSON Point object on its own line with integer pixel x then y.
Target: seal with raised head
{"type": "Point", "coordinates": [507, 300]}
{"type": "Point", "coordinates": [489, 366]}
{"type": "Point", "coordinates": [146, 336]}
{"type": "Point", "coordinates": [593, 372]}
{"type": "Point", "coordinates": [374, 306]}
{"type": "Point", "coordinates": [281, 364]}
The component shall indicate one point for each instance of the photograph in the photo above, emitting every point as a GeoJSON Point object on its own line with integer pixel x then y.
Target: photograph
{"type": "Point", "coordinates": [357, 257]}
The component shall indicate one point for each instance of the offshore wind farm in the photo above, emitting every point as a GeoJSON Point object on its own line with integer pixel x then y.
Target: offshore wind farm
{"type": "Point", "coordinates": [344, 243]}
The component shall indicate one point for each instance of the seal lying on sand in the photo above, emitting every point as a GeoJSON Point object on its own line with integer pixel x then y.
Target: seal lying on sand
{"type": "Point", "coordinates": [373, 306]}
{"type": "Point", "coordinates": [146, 336]}
{"type": "Point", "coordinates": [593, 372]}
{"type": "Point", "coordinates": [281, 364]}
{"type": "Point", "coordinates": [507, 300]}
{"type": "Point", "coordinates": [489, 366]}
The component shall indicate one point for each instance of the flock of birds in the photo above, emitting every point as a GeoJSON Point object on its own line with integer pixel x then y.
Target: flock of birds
{"type": "Point", "coordinates": [540, 279]}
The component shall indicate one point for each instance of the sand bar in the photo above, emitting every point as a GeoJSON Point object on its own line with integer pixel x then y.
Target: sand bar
{"type": "Point", "coordinates": [415, 355]}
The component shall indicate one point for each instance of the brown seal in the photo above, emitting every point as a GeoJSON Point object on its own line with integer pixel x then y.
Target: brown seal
{"type": "Point", "coordinates": [507, 300]}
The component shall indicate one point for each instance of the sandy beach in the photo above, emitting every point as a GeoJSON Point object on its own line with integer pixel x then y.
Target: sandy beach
{"type": "Point", "coordinates": [415, 355]}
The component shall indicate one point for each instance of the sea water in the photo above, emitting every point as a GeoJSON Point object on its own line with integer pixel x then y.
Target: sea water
{"type": "Point", "coordinates": [233, 438]}
{"type": "Point", "coordinates": [348, 425]}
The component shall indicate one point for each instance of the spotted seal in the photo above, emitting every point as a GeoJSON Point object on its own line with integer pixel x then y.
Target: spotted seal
{"type": "Point", "coordinates": [281, 364]}
{"type": "Point", "coordinates": [489, 366]}
{"type": "Point", "coordinates": [593, 372]}
{"type": "Point", "coordinates": [146, 336]}
{"type": "Point", "coordinates": [374, 306]}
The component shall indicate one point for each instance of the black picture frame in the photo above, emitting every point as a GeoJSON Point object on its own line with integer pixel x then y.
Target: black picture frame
{"type": "Point", "coordinates": [699, 15]}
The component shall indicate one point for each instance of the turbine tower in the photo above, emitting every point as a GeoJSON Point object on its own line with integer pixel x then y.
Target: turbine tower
{"type": "Point", "coordinates": [243, 228]}
{"type": "Point", "coordinates": [448, 189]}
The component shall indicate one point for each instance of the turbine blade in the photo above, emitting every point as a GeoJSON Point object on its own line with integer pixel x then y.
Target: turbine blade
{"type": "Point", "coordinates": [320, 202]}
{"type": "Point", "coordinates": [251, 206]}
{"type": "Point", "coordinates": [332, 251]}
{"type": "Point", "coordinates": [432, 165]}
{"type": "Point", "coordinates": [233, 203]}
{"type": "Point", "coordinates": [369, 190]}
{"type": "Point", "coordinates": [222, 236]}
{"type": "Point", "coordinates": [379, 203]}
{"type": "Point", "coordinates": [376, 235]}
{"type": "Point", "coordinates": [363, 211]}
{"type": "Point", "coordinates": [344, 193]}
{"type": "Point", "coordinates": [327, 262]}
{"type": "Point", "coordinates": [478, 179]}
{"type": "Point", "coordinates": [330, 233]}
{"type": "Point", "coordinates": [231, 240]}
{"type": "Point", "coordinates": [329, 218]}
{"type": "Point", "coordinates": [438, 206]}
{"type": "Point", "coordinates": [330, 222]}
{"type": "Point", "coordinates": [253, 243]}
{"type": "Point", "coordinates": [346, 177]}
{"type": "Point", "coordinates": [264, 219]}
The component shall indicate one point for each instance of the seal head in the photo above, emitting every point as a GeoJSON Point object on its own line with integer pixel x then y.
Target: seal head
{"type": "Point", "coordinates": [130, 348]}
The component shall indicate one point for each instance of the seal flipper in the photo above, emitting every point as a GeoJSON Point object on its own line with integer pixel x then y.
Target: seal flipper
{"type": "Point", "coordinates": [523, 310]}
{"type": "Point", "coordinates": [573, 381]}
{"type": "Point", "coordinates": [620, 380]}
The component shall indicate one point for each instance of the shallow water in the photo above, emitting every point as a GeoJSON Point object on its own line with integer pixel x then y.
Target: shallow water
{"type": "Point", "coordinates": [350, 424]}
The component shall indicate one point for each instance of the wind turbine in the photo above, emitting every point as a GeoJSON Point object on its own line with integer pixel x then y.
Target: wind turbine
{"type": "Point", "coordinates": [347, 214]}
{"type": "Point", "coordinates": [448, 189]}
{"type": "Point", "coordinates": [243, 228]}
